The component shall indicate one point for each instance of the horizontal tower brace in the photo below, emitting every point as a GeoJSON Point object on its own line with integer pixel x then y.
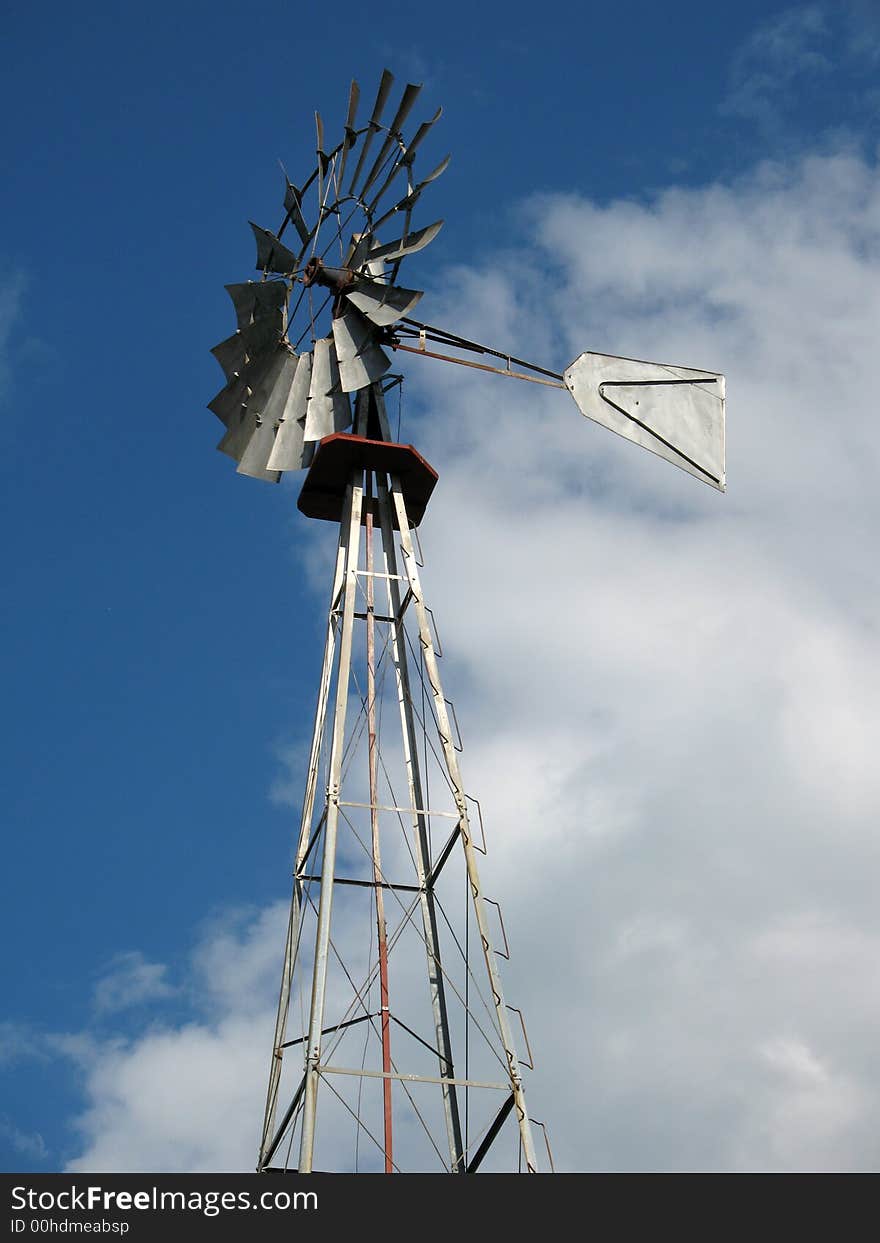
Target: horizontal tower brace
{"type": "Point", "coordinates": [367, 884]}
{"type": "Point", "coordinates": [410, 811]}
{"type": "Point", "coordinates": [390, 1074]}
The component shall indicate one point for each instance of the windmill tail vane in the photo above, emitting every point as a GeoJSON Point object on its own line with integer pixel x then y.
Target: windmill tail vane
{"type": "Point", "coordinates": [394, 1047]}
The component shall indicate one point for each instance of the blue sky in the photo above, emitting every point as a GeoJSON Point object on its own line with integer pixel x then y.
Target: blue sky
{"type": "Point", "coordinates": [162, 623]}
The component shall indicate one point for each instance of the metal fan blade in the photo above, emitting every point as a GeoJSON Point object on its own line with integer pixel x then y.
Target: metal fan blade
{"type": "Point", "coordinates": [358, 250]}
{"type": "Point", "coordinates": [348, 142]}
{"type": "Point", "coordinates": [434, 174]}
{"type": "Point", "coordinates": [243, 300]}
{"type": "Point", "coordinates": [263, 333]}
{"type": "Point", "coordinates": [406, 158]}
{"type": "Point", "coordinates": [269, 399]}
{"type": "Point", "coordinates": [272, 255]}
{"type": "Point", "coordinates": [676, 412]}
{"type": "Point", "coordinates": [408, 244]}
{"type": "Point", "coordinates": [250, 391]}
{"type": "Point", "coordinates": [254, 299]}
{"type": "Point", "coordinates": [270, 299]}
{"type": "Point", "coordinates": [322, 158]}
{"type": "Point", "coordinates": [292, 205]}
{"type": "Point", "coordinates": [230, 401]}
{"type": "Point", "coordinates": [287, 452]}
{"type": "Point", "coordinates": [267, 408]}
{"type": "Point", "coordinates": [329, 409]}
{"type": "Point", "coordinates": [361, 359]}
{"type": "Point", "coordinates": [256, 455]}
{"type": "Point", "coordinates": [410, 95]}
{"type": "Point", "coordinates": [230, 354]}
{"type": "Point", "coordinates": [249, 342]}
{"type": "Point", "coordinates": [398, 165]}
{"type": "Point", "coordinates": [424, 128]}
{"type": "Point", "coordinates": [410, 199]}
{"type": "Point", "coordinates": [341, 401]}
{"type": "Point", "coordinates": [383, 304]}
{"type": "Point", "coordinates": [392, 277]}
{"type": "Point", "coordinates": [387, 81]}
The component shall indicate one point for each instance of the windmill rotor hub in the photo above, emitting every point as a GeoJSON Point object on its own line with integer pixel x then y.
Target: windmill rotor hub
{"type": "Point", "coordinates": [316, 273]}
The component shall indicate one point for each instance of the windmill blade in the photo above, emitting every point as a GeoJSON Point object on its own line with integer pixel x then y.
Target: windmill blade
{"type": "Point", "coordinates": [406, 158]}
{"type": "Point", "coordinates": [289, 448]}
{"type": "Point", "coordinates": [676, 412]}
{"type": "Point", "coordinates": [267, 406]}
{"type": "Point", "coordinates": [329, 409]}
{"type": "Point", "coordinates": [409, 200]}
{"type": "Point", "coordinates": [230, 354]}
{"type": "Point", "coordinates": [322, 159]}
{"type": "Point", "coordinates": [272, 255]}
{"type": "Point", "coordinates": [361, 359]}
{"type": "Point", "coordinates": [255, 301]}
{"type": "Point", "coordinates": [395, 267]}
{"type": "Point", "coordinates": [408, 244]}
{"type": "Point", "coordinates": [385, 84]}
{"type": "Point", "coordinates": [229, 402]}
{"type": "Point", "coordinates": [410, 95]}
{"type": "Point", "coordinates": [256, 455]}
{"type": "Point", "coordinates": [257, 380]}
{"type": "Point", "coordinates": [293, 207]}
{"type": "Point", "coordinates": [350, 138]}
{"type": "Point", "coordinates": [433, 174]}
{"type": "Point", "coordinates": [383, 304]}
{"type": "Point", "coordinates": [249, 342]}
{"type": "Point", "coordinates": [269, 297]}
{"type": "Point", "coordinates": [358, 250]}
{"type": "Point", "coordinates": [419, 136]}
{"type": "Point", "coordinates": [243, 301]}
{"type": "Point", "coordinates": [269, 399]}
{"type": "Point", "coordinates": [263, 333]}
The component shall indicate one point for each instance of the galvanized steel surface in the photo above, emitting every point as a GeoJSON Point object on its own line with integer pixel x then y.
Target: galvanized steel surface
{"type": "Point", "coordinates": [676, 412]}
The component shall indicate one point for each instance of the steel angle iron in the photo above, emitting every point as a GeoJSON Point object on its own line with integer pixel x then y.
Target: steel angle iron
{"type": "Point", "coordinates": [391, 1009]}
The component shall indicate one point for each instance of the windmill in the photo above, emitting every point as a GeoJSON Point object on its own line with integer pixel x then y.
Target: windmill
{"type": "Point", "coordinates": [394, 1047]}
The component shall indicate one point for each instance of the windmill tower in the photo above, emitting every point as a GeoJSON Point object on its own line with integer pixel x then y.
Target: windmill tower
{"type": "Point", "coordinates": [394, 1047]}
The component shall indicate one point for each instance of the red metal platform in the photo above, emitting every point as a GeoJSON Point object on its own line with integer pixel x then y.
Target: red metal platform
{"type": "Point", "coordinates": [340, 455]}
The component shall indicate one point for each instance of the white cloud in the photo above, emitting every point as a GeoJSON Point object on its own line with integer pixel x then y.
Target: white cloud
{"type": "Point", "coordinates": [29, 1144]}
{"type": "Point", "coordinates": [789, 46]}
{"type": "Point", "coordinates": [130, 980]}
{"type": "Point", "coordinates": [188, 1097]}
{"type": "Point", "coordinates": [809, 60]}
{"type": "Point", "coordinates": [669, 702]}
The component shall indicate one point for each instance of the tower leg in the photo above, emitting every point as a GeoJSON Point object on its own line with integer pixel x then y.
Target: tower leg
{"type": "Point", "coordinates": [305, 833]}
{"type": "Point", "coordinates": [451, 762]}
{"type": "Point", "coordinates": [354, 507]}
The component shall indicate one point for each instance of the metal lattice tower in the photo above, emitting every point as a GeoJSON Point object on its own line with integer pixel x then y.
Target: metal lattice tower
{"type": "Point", "coordinates": [386, 813]}
{"type": "Point", "coordinates": [394, 1047]}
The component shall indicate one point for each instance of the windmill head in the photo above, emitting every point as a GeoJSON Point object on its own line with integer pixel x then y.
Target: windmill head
{"type": "Point", "coordinates": [319, 324]}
